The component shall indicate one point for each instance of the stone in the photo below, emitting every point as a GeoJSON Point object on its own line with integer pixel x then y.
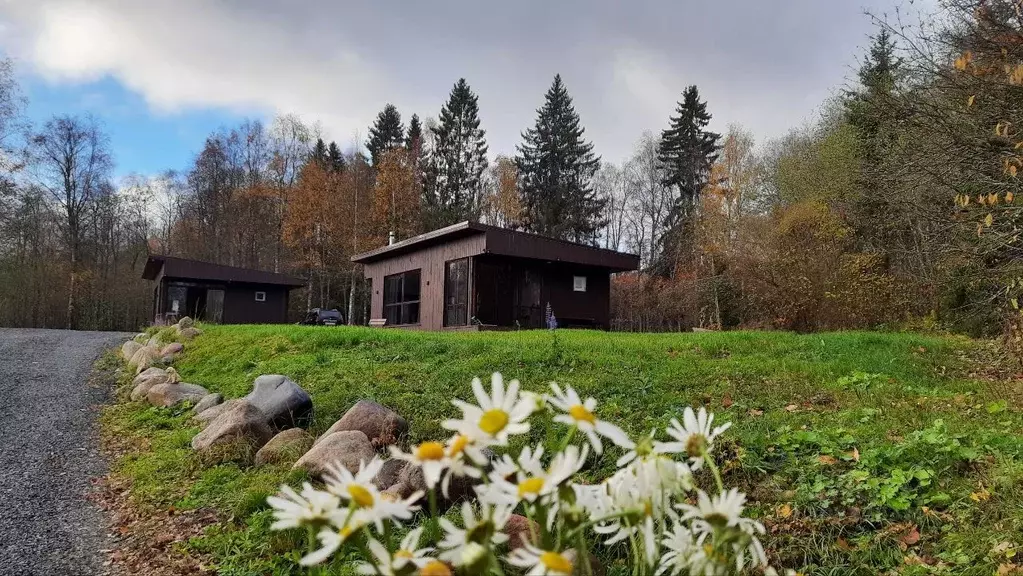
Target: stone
{"type": "Point", "coordinates": [145, 381]}
{"type": "Point", "coordinates": [154, 342]}
{"type": "Point", "coordinates": [171, 393]}
{"type": "Point", "coordinates": [236, 435]}
{"type": "Point", "coordinates": [286, 447]}
{"type": "Point", "coordinates": [349, 448]}
{"type": "Point", "coordinates": [169, 359]}
{"type": "Point", "coordinates": [185, 322]}
{"type": "Point", "coordinates": [284, 402]}
{"type": "Point", "coordinates": [389, 473]}
{"type": "Point", "coordinates": [144, 358]}
{"type": "Point", "coordinates": [172, 349]}
{"type": "Point", "coordinates": [380, 424]}
{"type": "Point", "coordinates": [397, 492]}
{"type": "Point", "coordinates": [520, 531]}
{"type": "Point", "coordinates": [459, 487]}
{"type": "Point", "coordinates": [208, 401]}
{"type": "Point", "coordinates": [141, 338]}
{"type": "Point", "coordinates": [129, 348]}
{"type": "Point", "coordinates": [189, 333]}
{"type": "Point", "coordinates": [210, 414]}
{"type": "Point", "coordinates": [596, 567]}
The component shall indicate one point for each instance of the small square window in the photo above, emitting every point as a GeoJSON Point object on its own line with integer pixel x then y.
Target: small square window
{"type": "Point", "coordinates": [260, 296]}
{"type": "Point", "coordinates": [579, 283]}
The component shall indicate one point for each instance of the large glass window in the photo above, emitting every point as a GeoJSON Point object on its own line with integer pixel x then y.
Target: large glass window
{"type": "Point", "coordinates": [401, 298]}
{"type": "Point", "coordinates": [456, 292]}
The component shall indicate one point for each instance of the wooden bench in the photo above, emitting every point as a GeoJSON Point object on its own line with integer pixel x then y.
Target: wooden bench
{"type": "Point", "coordinates": [378, 322]}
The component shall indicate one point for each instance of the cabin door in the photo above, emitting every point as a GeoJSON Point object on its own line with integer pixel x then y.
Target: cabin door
{"type": "Point", "coordinates": [214, 306]}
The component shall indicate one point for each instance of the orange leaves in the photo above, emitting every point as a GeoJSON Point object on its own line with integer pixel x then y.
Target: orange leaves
{"type": "Point", "coordinates": [784, 511]}
{"type": "Point", "coordinates": [964, 61]}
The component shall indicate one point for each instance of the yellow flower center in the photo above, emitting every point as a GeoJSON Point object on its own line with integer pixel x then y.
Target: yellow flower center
{"type": "Point", "coordinates": [362, 497]}
{"type": "Point", "coordinates": [648, 508]}
{"type": "Point", "coordinates": [344, 532]}
{"type": "Point", "coordinates": [405, 554]}
{"type": "Point", "coordinates": [716, 519]}
{"type": "Point", "coordinates": [435, 568]}
{"type": "Point", "coordinates": [493, 421]}
{"type": "Point", "coordinates": [430, 451]}
{"type": "Point", "coordinates": [530, 486]}
{"type": "Point", "coordinates": [696, 445]}
{"type": "Point", "coordinates": [580, 413]}
{"type": "Point", "coordinates": [457, 445]}
{"type": "Point", "coordinates": [556, 562]}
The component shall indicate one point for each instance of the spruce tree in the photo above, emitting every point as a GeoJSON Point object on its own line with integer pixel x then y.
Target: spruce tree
{"type": "Point", "coordinates": [414, 136]}
{"type": "Point", "coordinates": [319, 153]}
{"type": "Point", "coordinates": [387, 132]}
{"type": "Point", "coordinates": [687, 151]}
{"type": "Point", "coordinates": [457, 161]}
{"type": "Point", "coordinates": [556, 168]}
{"type": "Point", "coordinates": [335, 159]}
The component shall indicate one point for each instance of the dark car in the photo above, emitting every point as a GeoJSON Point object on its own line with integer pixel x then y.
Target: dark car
{"type": "Point", "coordinates": [321, 317]}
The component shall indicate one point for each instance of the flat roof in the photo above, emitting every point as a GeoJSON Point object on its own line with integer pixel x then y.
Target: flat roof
{"type": "Point", "coordinates": [174, 267]}
{"type": "Point", "coordinates": [505, 242]}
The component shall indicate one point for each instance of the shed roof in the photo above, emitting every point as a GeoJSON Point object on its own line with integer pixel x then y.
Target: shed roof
{"type": "Point", "coordinates": [505, 242]}
{"type": "Point", "coordinates": [174, 267]}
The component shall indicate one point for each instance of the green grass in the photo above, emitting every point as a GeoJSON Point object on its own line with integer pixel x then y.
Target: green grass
{"type": "Point", "coordinates": [928, 433]}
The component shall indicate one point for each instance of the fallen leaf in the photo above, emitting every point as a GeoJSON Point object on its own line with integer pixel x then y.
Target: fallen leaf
{"type": "Point", "coordinates": [754, 412]}
{"type": "Point", "coordinates": [784, 511]}
{"type": "Point", "coordinates": [843, 544]}
{"type": "Point", "coordinates": [792, 408]}
{"type": "Point", "coordinates": [910, 537]}
{"type": "Point", "coordinates": [827, 460]}
{"type": "Point", "coordinates": [1007, 568]}
{"type": "Point", "coordinates": [855, 454]}
{"type": "Point", "coordinates": [726, 400]}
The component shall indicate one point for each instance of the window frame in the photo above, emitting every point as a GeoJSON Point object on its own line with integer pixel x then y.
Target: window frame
{"type": "Point", "coordinates": [464, 305]}
{"type": "Point", "coordinates": [575, 283]}
{"type": "Point", "coordinates": [260, 293]}
{"type": "Point", "coordinates": [402, 304]}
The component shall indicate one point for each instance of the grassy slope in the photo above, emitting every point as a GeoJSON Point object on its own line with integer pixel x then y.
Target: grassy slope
{"type": "Point", "coordinates": [928, 435]}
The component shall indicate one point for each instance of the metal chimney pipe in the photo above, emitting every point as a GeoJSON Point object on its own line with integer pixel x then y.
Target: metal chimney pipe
{"type": "Point", "coordinates": [390, 237]}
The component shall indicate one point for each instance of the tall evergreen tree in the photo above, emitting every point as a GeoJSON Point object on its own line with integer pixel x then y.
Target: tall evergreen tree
{"type": "Point", "coordinates": [319, 153]}
{"type": "Point", "coordinates": [335, 159]}
{"type": "Point", "coordinates": [687, 151]}
{"type": "Point", "coordinates": [414, 136]}
{"type": "Point", "coordinates": [872, 108]}
{"type": "Point", "coordinates": [556, 168]}
{"type": "Point", "coordinates": [457, 161]}
{"type": "Point", "coordinates": [387, 132]}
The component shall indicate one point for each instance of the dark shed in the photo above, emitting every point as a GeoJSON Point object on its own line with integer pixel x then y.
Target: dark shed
{"type": "Point", "coordinates": [472, 276]}
{"type": "Point", "coordinates": [217, 293]}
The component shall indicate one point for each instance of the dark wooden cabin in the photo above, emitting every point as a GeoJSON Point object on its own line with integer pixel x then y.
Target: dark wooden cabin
{"type": "Point", "coordinates": [474, 276]}
{"type": "Point", "coordinates": [217, 293]}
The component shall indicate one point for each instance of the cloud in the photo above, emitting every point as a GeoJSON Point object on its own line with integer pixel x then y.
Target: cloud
{"type": "Point", "coordinates": [767, 65]}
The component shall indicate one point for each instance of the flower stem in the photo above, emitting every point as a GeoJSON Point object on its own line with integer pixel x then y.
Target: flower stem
{"type": "Point", "coordinates": [714, 470]}
{"type": "Point", "coordinates": [434, 521]}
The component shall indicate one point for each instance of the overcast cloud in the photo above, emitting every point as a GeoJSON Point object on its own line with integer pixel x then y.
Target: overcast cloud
{"type": "Point", "coordinates": [767, 64]}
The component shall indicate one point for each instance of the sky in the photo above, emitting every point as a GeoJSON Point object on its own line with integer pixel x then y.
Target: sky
{"type": "Point", "coordinates": [162, 74]}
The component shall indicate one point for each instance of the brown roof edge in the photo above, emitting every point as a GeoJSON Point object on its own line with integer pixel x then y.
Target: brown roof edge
{"type": "Point", "coordinates": [516, 243]}
{"type": "Point", "coordinates": [175, 267]}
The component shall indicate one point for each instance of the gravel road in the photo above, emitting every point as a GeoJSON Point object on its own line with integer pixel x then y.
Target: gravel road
{"type": "Point", "coordinates": [49, 452]}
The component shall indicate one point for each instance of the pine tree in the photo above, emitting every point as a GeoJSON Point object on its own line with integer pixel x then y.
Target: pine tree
{"type": "Point", "coordinates": [457, 162]}
{"type": "Point", "coordinates": [319, 153]}
{"type": "Point", "coordinates": [335, 159]}
{"type": "Point", "coordinates": [687, 152]}
{"type": "Point", "coordinates": [414, 136]}
{"type": "Point", "coordinates": [556, 168]}
{"type": "Point", "coordinates": [872, 109]}
{"type": "Point", "coordinates": [387, 132]}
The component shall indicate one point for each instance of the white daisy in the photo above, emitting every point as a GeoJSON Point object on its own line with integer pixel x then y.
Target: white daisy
{"type": "Point", "coordinates": [332, 538]}
{"type": "Point", "coordinates": [580, 414]}
{"type": "Point", "coordinates": [463, 546]}
{"type": "Point", "coordinates": [532, 482]}
{"type": "Point", "coordinates": [499, 414]}
{"type": "Point", "coordinates": [694, 436]}
{"type": "Point", "coordinates": [311, 507]}
{"type": "Point", "coordinates": [387, 564]}
{"type": "Point", "coordinates": [683, 551]}
{"type": "Point", "coordinates": [541, 562]}
{"type": "Point", "coordinates": [724, 510]}
{"type": "Point", "coordinates": [361, 493]}
{"type": "Point", "coordinates": [460, 457]}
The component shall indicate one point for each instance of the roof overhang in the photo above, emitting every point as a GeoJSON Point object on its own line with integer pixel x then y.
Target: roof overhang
{"type": "Point", "coordinates": [173, 267]}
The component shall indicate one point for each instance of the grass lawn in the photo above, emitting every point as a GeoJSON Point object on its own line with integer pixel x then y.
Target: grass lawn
{"type": "Point", "coordinates": [864, 453]}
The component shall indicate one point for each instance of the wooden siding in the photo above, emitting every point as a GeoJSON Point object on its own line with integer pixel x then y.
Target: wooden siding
{"type": "Point", "coordinates": [430, 261]}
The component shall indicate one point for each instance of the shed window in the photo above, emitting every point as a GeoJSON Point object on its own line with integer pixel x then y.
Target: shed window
{"type": "Point", "coordinates": [260, 296]}
{"type": "Point", "coordinates": [401, 298]}
{"type": "Point", "coordinates": [456, 292]}
{"type": "Point", "coordinates": [579, 283]}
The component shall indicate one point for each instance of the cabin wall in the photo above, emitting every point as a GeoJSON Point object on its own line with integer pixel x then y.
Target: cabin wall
{"type": "Point", "coordinates": [241, 307]}
{"type": "Point", "coordinates": [430, 262]}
